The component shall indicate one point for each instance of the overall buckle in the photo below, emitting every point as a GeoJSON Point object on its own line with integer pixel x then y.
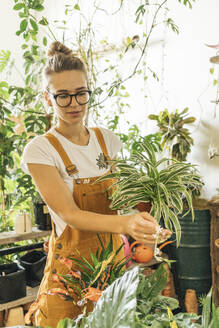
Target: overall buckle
{"type": "Point", "coordinates": [71, 169]}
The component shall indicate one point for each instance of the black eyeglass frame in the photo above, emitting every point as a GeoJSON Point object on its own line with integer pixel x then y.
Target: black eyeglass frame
{"type": "Point", "coordinates": [71, 96]}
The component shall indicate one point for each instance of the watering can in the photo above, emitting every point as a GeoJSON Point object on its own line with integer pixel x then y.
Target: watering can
{"type": "Point", "coordinates": [143, 253]}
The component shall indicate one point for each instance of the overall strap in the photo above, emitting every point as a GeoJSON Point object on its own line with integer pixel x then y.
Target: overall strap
{"type": "Point", "coordinates": [70, 168]}
{"type": "Point", "coordinates": [101, 141]}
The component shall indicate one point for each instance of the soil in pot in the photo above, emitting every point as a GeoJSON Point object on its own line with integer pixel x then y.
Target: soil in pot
{"type": "Point", "coordinates": [12, 282]}
{"type": "Point", "coordinates": [34, 262]}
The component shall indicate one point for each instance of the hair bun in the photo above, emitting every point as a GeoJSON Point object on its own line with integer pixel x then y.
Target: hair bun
{"type": "Point", "coordinates": [58, 47]}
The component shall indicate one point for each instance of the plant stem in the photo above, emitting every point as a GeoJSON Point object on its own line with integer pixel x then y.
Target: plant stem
{"type": "Point", "coordinates": [116, 84]}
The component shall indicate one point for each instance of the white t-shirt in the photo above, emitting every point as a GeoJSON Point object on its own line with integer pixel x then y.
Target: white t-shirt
{"type": "Point", "coordinates": [86, 158]}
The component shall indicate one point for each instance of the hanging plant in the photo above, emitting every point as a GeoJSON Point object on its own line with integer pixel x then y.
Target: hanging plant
{"type": "Point", "coordinates": [175, 136]}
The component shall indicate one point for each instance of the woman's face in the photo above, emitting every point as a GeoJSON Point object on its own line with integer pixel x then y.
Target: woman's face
{"type": "Point", "coordinates": [64, 84]}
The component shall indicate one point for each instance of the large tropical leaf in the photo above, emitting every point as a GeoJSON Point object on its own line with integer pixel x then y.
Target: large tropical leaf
{"type": "Point", "coordinates": [116, 307]}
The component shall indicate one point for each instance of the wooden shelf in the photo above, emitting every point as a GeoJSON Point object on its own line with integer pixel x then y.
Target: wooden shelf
{"type": "Point", "coordinates": [11, 236]}
{"type": "Point", "coordinates": [30, 297]}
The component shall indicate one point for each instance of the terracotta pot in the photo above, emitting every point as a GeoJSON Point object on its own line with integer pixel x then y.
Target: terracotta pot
{"type": "Point", "coordinates": [191, 303]}
{"type": "Point", "coordinates": [144, 207]}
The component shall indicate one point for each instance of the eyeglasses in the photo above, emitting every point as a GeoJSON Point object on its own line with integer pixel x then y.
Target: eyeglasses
{"type": "Point", "coordinates": [65, 99]}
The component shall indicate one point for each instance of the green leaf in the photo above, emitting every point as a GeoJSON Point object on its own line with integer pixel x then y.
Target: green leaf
{"type": "Point", "coordinates": [23, 25]}
{"type": "Point", "coordinates": [77, 7]}
{"type": "Point", "coordinates": [116, 307]}
{"type": "Point", "coordinates": [206, 310]}
{"type": "Point", "coordinates": [44, 21]}
{"type": "Point", "coordinates": [45, 41]}
{"type": "Point", "coordinates": [18, 6]}
{"type": "Point", "coordinates": [150, 287]}
{"type": "Point", "coordinates": [4, 59]}
{"type": "Point", "coordinates": [24, 46]}
{"type": "Point", "coordinates": [39, 8]}
{"type": "Point", "coordinates": [34, 24]}
{"type": "Point", "coordinates": [65, 323]}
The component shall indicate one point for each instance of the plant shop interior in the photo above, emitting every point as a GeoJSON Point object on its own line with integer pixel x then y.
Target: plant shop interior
{"type": "Point", "coordinates": [119, 102]}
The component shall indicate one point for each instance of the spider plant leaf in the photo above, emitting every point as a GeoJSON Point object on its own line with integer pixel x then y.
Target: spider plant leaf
{"type": "Point", "coordinates": [165, 193]}
{"type": "Point", "coordinates": [175, 222]}
{"type": "Point", "coordinates": [105, 177]}
{"type": "Point", "coordinates": [189, 202]}
{"type": "Point", "coordinates": [177, 202]}
{"type": "Point", "coordinates": [134, 199]}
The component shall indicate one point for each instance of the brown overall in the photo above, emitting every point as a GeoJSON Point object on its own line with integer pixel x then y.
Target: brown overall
{"type": "Point", "coordinates": [89, 197]}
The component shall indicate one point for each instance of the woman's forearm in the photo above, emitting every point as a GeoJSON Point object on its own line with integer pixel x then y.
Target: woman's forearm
{"type": "Point", "coordinates": [89, 221]}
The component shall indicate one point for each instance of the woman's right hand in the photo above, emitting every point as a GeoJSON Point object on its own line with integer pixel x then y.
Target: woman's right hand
{"type": "Point", "coordinates": [143, 227]}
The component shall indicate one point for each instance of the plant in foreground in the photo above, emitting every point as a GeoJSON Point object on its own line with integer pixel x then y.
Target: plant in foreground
{"type": "Point", "coordinates": [88, 278]}
{"type": "Point", "coordinates": [134, 301]}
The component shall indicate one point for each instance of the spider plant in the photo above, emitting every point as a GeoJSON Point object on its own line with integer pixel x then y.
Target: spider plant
{"type": "Point", "coordinates": [144, 178]}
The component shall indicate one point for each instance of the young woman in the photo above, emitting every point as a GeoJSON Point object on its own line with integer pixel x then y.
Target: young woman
{"type": "Point", "coordinates": [64, 163]}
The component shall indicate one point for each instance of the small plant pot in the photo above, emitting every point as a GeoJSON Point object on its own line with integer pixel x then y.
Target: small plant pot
{"type": "Point", "coordinates": [42, 216]}
{"type": "Point", "coordinates": [34, 262]}
{"type": "Point", "coordinates": [12, 282]}
{"type": "Point", "coordinates": [144, 207]}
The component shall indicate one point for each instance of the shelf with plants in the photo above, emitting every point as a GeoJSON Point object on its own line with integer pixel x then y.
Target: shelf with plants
{"type": "Point", "coordinates": [8, 237]}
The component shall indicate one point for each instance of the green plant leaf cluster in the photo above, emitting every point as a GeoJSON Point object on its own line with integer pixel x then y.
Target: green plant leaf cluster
{"type": "Point", "coordinates": [133, 300]}
{"type": "Point", "coordinates": [102, 265]}
{"type": "Point", "coordinates": [174, 135]}
{"type": "Point", "coordinates": [144, 178]}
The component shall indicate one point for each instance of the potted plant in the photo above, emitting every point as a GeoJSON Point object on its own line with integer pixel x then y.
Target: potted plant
{"type": "Point", "coordinates": [86, 283]}
{"type": "Point", "coordinates": [41, 213]}
{"type": "Point", "coordinates": [174, 136]}
{"type": "Point", "coordinates": [192, 269]}
{"type": "Point", "coordinates": [34, 263]}
{"type": "Point", "coordinates": [134, 300]}
{"type": "Point", "coordinates": [12, 282]}
{"type": "Point", "coordinates": [144, 178]}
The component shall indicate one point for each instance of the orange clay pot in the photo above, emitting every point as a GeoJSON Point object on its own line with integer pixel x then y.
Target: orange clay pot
{"type": "Point", "coordinates": [144, 207]}
{"type": "Point", "coordinates": [142, 253]}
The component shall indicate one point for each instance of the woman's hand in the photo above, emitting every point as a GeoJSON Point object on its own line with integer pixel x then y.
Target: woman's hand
{"type": "Point", "coordinates": [143, 227]}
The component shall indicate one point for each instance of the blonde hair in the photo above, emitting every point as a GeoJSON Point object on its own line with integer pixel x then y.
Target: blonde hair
{"type": "Point", "coordinates": [61, 58]}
